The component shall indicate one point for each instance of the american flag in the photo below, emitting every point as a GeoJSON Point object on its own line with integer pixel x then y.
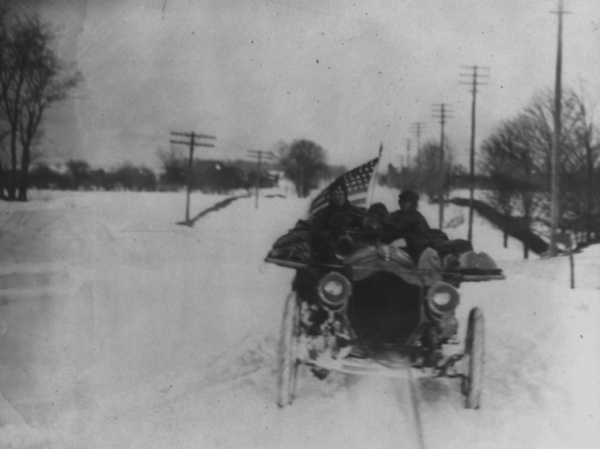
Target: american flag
{"type": "Point", "coordinates": [357, 183]}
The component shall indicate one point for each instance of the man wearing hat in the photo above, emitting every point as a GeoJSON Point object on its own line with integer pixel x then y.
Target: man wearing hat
{"type": "Point", "coordinates": [333, 221]}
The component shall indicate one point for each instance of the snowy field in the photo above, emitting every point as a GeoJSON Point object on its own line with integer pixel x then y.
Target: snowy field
{"type": "Point", "coordinates": [122, 329]}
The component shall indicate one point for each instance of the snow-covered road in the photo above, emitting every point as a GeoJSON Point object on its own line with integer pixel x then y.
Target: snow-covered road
{"type": "Point", "coordinates": [122, 329]}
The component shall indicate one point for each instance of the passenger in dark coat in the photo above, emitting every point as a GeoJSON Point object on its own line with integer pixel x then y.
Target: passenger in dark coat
{"type": "Point", "coordinates": [408, 224]}
{"type": "Point", "coordinates": [373, 223]}
{"type": "Point", "coordinates": [339, 216]}
{"type": "Point", "coordinates": [334, 220]}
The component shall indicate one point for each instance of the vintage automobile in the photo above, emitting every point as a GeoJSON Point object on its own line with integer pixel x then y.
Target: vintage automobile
{"type": "Point", "coordinates": [375, 311]}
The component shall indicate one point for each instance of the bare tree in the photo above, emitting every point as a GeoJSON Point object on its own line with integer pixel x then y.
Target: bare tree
{"type": "Point", "coordinates": [517, 158]}
{"type": "Point", "coordinates": [427, 169]}
{"type": "Point", "coordinates": [587, 138]}
{"type": "Point", "coordinates": [32, 79]}
{"type": "Point", "coordinates": [80, 173]}
{"type": "Point", "coordinates": [508, 161]}
{"type": "Point", "coordinates": [304, 164]}
{"type": "Point", "coordinates": [579, 157]}
{"type": "Point", "coordinates": [174, 166]}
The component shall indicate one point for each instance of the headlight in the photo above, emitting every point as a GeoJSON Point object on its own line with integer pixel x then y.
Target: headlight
{"type": "Point", "coordinates": [334, 290]}
{"type": "Point", "coordinates": [442, 299]}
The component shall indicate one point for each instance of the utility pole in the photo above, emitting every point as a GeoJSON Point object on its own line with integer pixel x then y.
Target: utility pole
{"type": "Point", "coordinates": [473, 83]}
{"type": "Point", "coordinates": [556, 150]}
{"type": "Point", "coordinates": [192, 143]}
{"type": "Point", "coordinates": [441, 112]}
{"type": "Point", "coordinates": [254, 154]}
{"type": "Point", "coordinates": [417, 129]}
{"type": "Point", "coordinates": [407, 154]}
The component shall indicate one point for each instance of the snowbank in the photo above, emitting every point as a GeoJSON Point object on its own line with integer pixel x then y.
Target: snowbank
{"type": "Point", "coordinates": [125, 329]}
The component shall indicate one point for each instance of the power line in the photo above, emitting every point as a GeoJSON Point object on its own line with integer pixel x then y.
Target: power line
{"type": "Point", "coordinates": [192, 143]}
{"type": "Point", "coordinates": [441, 112]}
{"type": "Point", "coordinates": [474, 83]}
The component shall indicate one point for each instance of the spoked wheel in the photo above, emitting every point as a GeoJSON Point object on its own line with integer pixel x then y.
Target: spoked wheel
{"type": "Point", "coordinates": [474, 355]}
{"type": "Point", "coordinates": [287, 362]}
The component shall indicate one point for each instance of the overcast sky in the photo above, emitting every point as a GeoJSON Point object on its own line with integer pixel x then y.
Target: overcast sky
{"type": "Point", "coordinates": [348, 75]}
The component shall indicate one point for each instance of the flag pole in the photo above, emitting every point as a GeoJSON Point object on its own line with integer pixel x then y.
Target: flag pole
{"type": "Point", "coordinates": [374, 180]}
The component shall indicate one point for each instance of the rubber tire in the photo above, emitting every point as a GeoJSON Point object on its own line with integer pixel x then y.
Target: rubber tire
{"type": "Point", "coordinates": [287, 363]}
{"type": "Point", "coordinates": [474, 353]}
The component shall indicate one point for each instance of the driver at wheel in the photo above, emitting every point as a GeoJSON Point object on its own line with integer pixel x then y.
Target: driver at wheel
{"type": "Point", "coordinates": [336, 219]}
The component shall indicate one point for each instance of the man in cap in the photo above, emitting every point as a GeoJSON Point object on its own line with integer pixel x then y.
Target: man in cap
{"type": "Point", "coordinates": [408, 224]}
